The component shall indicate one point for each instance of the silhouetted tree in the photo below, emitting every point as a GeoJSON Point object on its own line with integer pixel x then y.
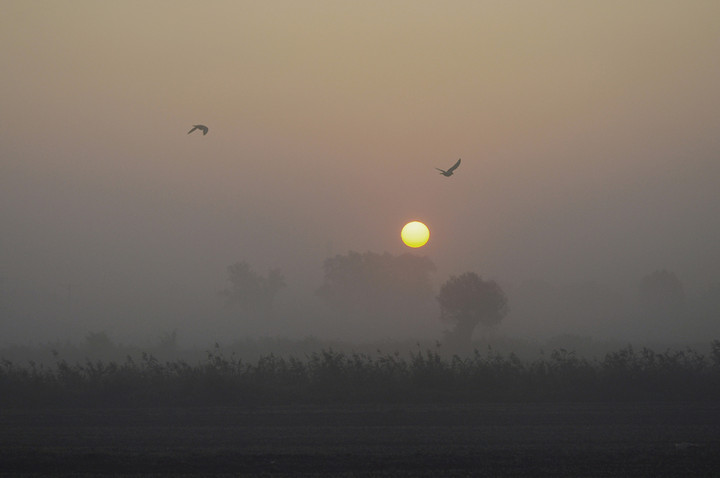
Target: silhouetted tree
{"type": "Point", "coordinates": [168, 343]}
{"type": "Point", "coordinates": [252, 291]}
{"type": "Point", "coordinates": [98, 345]}
{"type": "Point", "coordinates": [707, 309]}
{"type": "Point", "coordinates": [379, 284]}
{"type": "Point", "coordinates": [468, 300]}
{"type": "Point", "coordinates": [662, 295]}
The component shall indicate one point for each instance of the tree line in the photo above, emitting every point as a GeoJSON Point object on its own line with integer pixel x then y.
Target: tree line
{"type": "Point", "coordinates": [385, 286]}
{"type": "Point", "coordinates": [381, 285]}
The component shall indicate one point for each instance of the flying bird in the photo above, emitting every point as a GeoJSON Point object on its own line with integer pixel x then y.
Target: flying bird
{"type": "Point", "coordinates": [450, 170]}
{"type": "Point", "coordinates": [201, 127]}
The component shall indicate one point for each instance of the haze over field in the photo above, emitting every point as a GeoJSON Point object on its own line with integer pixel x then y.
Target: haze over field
{"type": "Point", "coordinates": [588, 134]}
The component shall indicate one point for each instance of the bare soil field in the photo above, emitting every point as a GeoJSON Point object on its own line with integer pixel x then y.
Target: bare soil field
{"type": "Point", "coordinates": [522, 439]}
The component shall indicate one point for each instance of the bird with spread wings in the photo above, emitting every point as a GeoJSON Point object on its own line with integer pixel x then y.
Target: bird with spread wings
{"type": "Point", "coordinates": [450, 170]}
{"type": "Point", "coordinates": [201, 127]}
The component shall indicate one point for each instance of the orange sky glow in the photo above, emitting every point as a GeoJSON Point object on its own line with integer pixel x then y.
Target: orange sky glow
{"type": "Point", "coordinates": [588, 133]}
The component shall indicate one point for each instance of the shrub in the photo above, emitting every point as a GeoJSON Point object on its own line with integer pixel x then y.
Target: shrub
{"type": "Point", "coordinates": [335, 377]}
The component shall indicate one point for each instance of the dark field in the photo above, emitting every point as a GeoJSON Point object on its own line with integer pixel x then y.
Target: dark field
{"type": "Point", "coordinates": [558, 439]}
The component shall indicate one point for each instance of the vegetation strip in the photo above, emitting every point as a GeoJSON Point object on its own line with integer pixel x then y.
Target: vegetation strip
{"type": "Point", "coordinates": [335, 377]}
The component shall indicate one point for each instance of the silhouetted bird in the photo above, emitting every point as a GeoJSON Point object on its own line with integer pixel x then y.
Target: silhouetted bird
{"type": "Point", "coordinates": [449, 172]}
{"type": "Point", "coordinates": [201, 127]}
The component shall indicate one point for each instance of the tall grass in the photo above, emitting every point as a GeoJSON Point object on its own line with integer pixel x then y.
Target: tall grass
{"type": "Point", "coordinates": [329, 376]}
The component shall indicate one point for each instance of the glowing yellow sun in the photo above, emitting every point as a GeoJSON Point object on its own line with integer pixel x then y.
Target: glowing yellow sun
{"type": "Point", "coordinates": [415, 234]}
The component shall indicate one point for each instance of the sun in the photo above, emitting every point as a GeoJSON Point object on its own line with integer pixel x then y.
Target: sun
{"type": "Point", "coordinates": [415, 234]}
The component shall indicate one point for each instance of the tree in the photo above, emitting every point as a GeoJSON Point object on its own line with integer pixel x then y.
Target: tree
{"type": "Point", "coordinates": [380, 286]}
{"type": "Point", "coordinates": [662, 295]}
{"type": "Point", "coordinates": [356, 279]}
{"type": "Point", "coordinates": [707, 308]}
{"type": "Point", "coordinates": [468, 300]}
{"type": "Point", "coordinates": [251, 291]}
{"type": "Point", "coordinates": [662, 303]}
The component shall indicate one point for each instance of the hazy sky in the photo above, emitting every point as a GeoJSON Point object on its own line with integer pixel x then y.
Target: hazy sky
{"type": "Point", "coordinates": [588, 133]}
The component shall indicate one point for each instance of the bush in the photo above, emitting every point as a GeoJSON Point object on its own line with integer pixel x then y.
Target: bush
{"type": "Point", "coordinates": [335, 377]}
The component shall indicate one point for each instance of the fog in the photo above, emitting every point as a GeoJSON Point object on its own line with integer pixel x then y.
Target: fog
{"type": "Point", "coordinates": [588, 134]}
